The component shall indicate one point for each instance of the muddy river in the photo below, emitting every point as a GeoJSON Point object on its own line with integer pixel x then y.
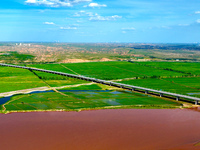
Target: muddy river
{"type": "Point", "coordinates": [125, 129]}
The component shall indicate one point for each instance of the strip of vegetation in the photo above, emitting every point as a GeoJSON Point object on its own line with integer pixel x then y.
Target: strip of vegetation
{"type": "Point", "coordinates": [97, 108]}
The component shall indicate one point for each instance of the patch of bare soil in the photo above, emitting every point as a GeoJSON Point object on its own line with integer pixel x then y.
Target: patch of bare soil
{"type": "Point", "coordinates": [83, 60]}
{"type": "Point", "coordinates": [74, 60]}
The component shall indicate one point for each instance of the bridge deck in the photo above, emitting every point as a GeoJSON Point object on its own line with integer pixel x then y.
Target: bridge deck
{"type": "Point", "coordinates": [120, 85]}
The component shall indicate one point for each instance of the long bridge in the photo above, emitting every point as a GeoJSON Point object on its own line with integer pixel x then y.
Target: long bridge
{"type": "Point", "coordinates": [119, 85]}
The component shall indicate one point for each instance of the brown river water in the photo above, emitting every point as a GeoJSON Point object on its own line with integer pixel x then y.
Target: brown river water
{"type": "Point", "coordinates": [123, 129]}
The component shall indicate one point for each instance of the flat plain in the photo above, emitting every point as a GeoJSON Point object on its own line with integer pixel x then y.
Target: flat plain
{"type": "Point", "coordinates": [176, 77]}
{"type": "Point", "coordinates": [109, 70]}
{"type": "Point", "coordinates": [165, 67]}
{"type": "Point", "coordinates": [79, 95]}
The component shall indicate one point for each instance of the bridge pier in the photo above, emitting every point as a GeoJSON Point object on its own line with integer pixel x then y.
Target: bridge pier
{"type": "Point", "coordinates": [146, 92]}
{"type": "Point", "coordinates": [196, 102]}
{"type": "Point", "coordinates": [133, 89]}
{"type": "Point", "coordinates": [161, 95]}
{"type": "Point", "coordinates": [177, 98]}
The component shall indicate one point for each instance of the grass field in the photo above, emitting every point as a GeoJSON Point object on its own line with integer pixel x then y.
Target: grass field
{"type": "Point", "coordinates": [88, 98]}
{"type": "Point", "coordinates": [12, 79]}
{"type": "Point", "coordinates": [186, 86]}
{"type": "Point", "coordinates": [187, 67]}
{"type": "Point", "coordinates": [109, 70]}
{"type": "Point", "coordinates": [57, 80]}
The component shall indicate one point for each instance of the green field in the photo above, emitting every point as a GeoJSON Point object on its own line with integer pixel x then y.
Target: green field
{"type": "Point", "coordinates": [175, 77]}
{"type": "Point", "coordinates": [54, 80]}
{"type": "Point", "coordinates": [12, 79]}
{"type": "Point", "coordinates": [187, 67]}
{"type": "Point", "coordinates": [109, 70]}
{"type": "Point", "coordinates": [81, 99]}
{"type": "Point", "coordinates": [186, 86]}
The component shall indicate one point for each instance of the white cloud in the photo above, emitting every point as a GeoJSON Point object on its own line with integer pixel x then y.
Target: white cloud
{"type": "Point", "coordinates": [166, 27]}
{"type": "Point", "coordinates": [129, 29]}
{"type": "Point", "coordinates": [80, 13]}
{"type": "Point", "coordinates": [49, 23]}
{"type": "Point", "coordinates": [68, 28]}
{"type": "Point", "coordinates": [79, 21]}
{"type": "Point", "coordinates": [43, 10]}
{"type": "Point", "coordinates": [198, 21]}
{"type": "Point", "coordinates": [95, 5]}
{"type": "Point", "coordinates": [184, 25]}
{"type": "Point", "coordinates": [30, 1]}
{"type": "Point", "coordinates": [78, 1]}
{"type": "Point", "coordinates": [97, 17]}
{"type": "Point", "coordinates": [83, 13]}
{"type": "Point", "coordinates": [55, 3]}
{"type": "Point", "coordinates": [75, 25]}
{"type": "Point", "coordinates": [197, 12]}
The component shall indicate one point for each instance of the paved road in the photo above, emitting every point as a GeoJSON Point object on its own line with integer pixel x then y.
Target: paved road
{"type": "Point", "coordinates": [120, 85]}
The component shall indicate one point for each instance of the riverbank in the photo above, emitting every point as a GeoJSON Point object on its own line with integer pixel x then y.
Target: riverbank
{"type": "Point", "coordinates": [101, 108]}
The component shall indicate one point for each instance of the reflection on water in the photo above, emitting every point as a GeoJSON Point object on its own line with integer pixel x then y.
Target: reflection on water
{"type": "Point", "coordinates": [4, 100]}
{"type": "Point", "coordinates": [115, 92]}
{"type": "Point", "coordinates": [92, 93]}
{"type": "Point", "coordinates": [50, 91]}
{"type": "Point", "coordinates": [112, 102]}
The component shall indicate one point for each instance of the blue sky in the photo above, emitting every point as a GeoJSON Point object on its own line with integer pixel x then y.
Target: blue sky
{"type": "Point", "coordinates": [143, 21]}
